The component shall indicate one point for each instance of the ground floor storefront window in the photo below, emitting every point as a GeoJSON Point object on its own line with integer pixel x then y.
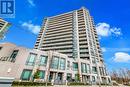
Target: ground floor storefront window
{"type": "Point", "coordinates": [26, 74]}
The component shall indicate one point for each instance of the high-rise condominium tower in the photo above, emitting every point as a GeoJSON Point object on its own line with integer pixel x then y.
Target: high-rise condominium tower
{"type": "Point", "coordinates": [3, 27]}
{"type": "Point", "coordinates": [74, 34]}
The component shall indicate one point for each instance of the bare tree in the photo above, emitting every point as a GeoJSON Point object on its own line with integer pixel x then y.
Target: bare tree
{"type": "Point", "coordinates": [121, 76]}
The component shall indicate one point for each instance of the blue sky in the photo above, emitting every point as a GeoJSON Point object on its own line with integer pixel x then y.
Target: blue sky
{"type": "Point", "coordinates": [112, 20]}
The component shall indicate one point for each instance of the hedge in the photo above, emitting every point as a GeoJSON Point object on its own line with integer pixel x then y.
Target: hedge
{"type": "Point", "coordinates": [115, 84]}
{"type": "Point", "coordinates": [15, 83]}
{"type": "Point", "coordinates": [81, 83]}
{"type": "Point", "coordinates": [127, 84]}
{"type": "Point", "coordinates": [77, 83]}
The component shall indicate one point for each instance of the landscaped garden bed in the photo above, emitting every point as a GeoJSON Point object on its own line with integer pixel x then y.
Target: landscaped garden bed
{"type": "Point", "coordinates": [15, 83]}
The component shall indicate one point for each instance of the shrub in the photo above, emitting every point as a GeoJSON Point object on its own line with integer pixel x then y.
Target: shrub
{"type": "Point", "coordinates": [77, 83]}
{"type": "Point", "coordinates": [77, 77]}
{"type": "Point", "coordinates": [105, 84]}
{"type": "Point", "coordinates": [36, 74]}
{"type": "Point", "coordinates": [15, 83]}
{"type": "Point", "coordinates": [127, 84]}
{"type": "Point", "coordinates": [115, 84]}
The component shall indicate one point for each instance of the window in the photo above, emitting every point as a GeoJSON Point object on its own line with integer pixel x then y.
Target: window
{"type": "Point", "coordinates": [101, 70]}
{"type": "Point", "coordinates": [55, 63]}
{"type": "Point", "coordinates": [58, 63]}
{"type": "Point", "coordinates": [83, 68]}
{"type": "Point", "coordinates": [42, 74]}
{"type": "Point", "coordinates": [97, 60]}
{"type": "Point", "coordinates": [77, 77]}
{"type": "Point", "coordinates": [43, 60]}
{"type": "Point", "coordinates": [75, 66]}
{"type": "Point", "coordinates": [26, 74]}
{"type": "Point", "coordinates": [14, 54]}
{"type": "Point", "coordinates": [93, 60]}
{"type": "Point", "coordinates": [68, 65]}
{"type": "Point", "coordinates": [94, 70]}
{"type": "Point", "coordinates": [31, 59]}
{"type": "Point", "coordinates": [105, 73]}
{"type": "Point", "coordinates": [62, 64]}
{"type": "Point", "coordinates": [88, 68]}
{"type": "Point", "coordinates": [93, 78]}
{"type": "Point", "coordinates": [69, 76]}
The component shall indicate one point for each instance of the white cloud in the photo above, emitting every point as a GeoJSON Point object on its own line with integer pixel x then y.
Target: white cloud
{"type": "Point", "coordinates": [103, 49]}
{"type": "Point", "coordinates": [116, 31]}
{"type": "Point", "coordinates": [31, 27]}
{"type": "Point", "coordinates": [105, 30]}
{"type": "Point", "coordinates": [121, 57]}
{"type": "Point", "coordinates": [31, 2]}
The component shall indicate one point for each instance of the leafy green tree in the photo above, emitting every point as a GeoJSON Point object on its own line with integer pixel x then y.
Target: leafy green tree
{"type": "Point", "coordinates": [77, 77]}
{"type": "Point", "coordinates": [36, 74]}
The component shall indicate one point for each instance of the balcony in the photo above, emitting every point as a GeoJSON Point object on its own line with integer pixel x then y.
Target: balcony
{"type": "Point", "coordinates": [83, 43]}
{"type": "Point", "coordinates": [7, 59]}
{"type": "Point", "coordinates": [84, 50]}
{"type": "Point", "coordinates": [60, 20]}
{"type": "Point", "coordinates": [60, 23]}
{"type": "Point", "coordinates": [80, 18]}
{"type": "Point", "coordinates": [82, 39]}
{"type": "Point", "coordinates": [59, 28]}
{"type": "Point", "coordinates": [57, 41]}
{"type": "Point", "coordinates": [59, 37]}
{"type": "Point", "coordinates": [61, 16]}
{"type": "Point", "coordinates": [58, 34]}
{"type": "Point", "coordinates": [57, 44]}
{"type": "Point", "coordinates": [83, 46]}
{"type": "Point", "coordinates": [65, 51]}
{"type": "Point", "coordinates": [59, 31]}
{"type": "Point", "coordinates": [59, 47]}
{"type": "Point", "coordinates": [84, 55]}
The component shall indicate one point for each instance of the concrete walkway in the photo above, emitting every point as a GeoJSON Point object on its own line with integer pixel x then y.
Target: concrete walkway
{"type": "Point", "coordinates": [71, 86]}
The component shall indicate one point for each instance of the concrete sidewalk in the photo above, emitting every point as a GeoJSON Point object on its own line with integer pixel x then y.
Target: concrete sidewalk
{"type": "Point", "coordinates": [71, 86]}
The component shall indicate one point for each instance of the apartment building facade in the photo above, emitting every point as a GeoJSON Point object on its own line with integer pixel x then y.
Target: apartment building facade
{"type": "Point", "coordinates": [3, 27]}
{"type": "Point", "coordinates": [74, 34]}
{"type": "Point", "coordinates": [21, 63]}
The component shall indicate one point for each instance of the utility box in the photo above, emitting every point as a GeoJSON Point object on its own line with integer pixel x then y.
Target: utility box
{"type": "Point", "coordinates": [6, 81]}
